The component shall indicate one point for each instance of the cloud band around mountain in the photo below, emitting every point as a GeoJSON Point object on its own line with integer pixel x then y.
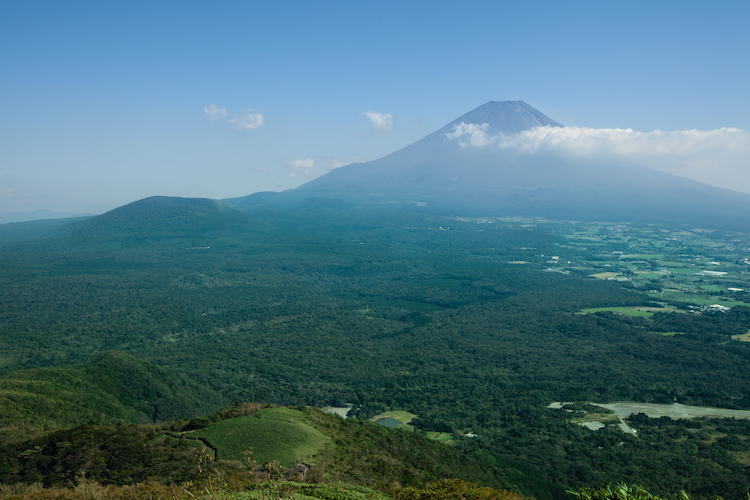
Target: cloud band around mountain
{"type": "Point", "coordinates": [719, 157]}
{"type": "Point", "coordinates": [583, 141]}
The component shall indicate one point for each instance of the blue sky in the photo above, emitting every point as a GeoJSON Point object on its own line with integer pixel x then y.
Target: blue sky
{"type": "Point", "coordinates": [104, 103]}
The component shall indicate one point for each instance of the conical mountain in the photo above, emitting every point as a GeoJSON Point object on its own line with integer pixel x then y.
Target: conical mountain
{"type": "Point", "coordinates": [163, 216]}
{"type": "Point", "coordinates": [446, 173]}
{"type": "Point", "coordinates": [506, 117]}
{"type": "Point", "coordinates": [430, 163]}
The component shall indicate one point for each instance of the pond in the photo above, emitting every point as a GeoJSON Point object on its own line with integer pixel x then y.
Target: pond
{"type": "Point", "coordinates": [388, 422]}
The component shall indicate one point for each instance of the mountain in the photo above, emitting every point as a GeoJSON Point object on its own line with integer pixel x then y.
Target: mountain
{"type": "Point", "coordinates": [440, 173]}
{"type": "Point", "coordinates": [164, 217]}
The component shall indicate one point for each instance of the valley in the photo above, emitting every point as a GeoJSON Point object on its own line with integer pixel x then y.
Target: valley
{"type": "Point", "coordinates": [388, 314]}
{"type": "Point", "coordinates": [455, 289]}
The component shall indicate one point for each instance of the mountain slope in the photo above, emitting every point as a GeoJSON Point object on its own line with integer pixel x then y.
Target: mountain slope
{"type": "Point", "coordinates": [445, 174]}
{"type": "Point", "coordinates": [353, 451]}
{"type": "Point", "coordinates": [164, 217]}
{"type": "Point", "coordinates": [111, 387]}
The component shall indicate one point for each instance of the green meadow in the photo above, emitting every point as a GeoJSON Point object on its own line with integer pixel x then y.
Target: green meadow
{"type": "Point", "coordinates": [282, 434]}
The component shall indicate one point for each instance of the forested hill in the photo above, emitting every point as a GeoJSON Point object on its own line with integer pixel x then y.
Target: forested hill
{"type": "Point", "coordinates": [244, 438]}
{"type": "Point", "coordinates": [162, 216]}
{"type": "Point", "coordinates": [111, 387]}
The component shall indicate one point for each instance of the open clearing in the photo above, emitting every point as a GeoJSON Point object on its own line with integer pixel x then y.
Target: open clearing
{"type": "Point", "coordinates": [622, 411]}
{"type": "Point", "coordinates": [272, 433]}
{"type": "Point", "coordinates": [441, 437]}
{"type": "Point", "coordinates": [403, 417]}
{"type": "Point", "coordinates": [643, 311]}
{"type": "Point", "coordinates": [606, 276]}
{"type": "Point", "coordinates": [657, 410]}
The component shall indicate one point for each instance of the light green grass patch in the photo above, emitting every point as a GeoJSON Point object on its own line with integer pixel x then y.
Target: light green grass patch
{"type": "Point", "coordinates": [605, 276]}
{"type": "Point", "coordinates": [744, 337]}
{"type": "Point", "coordinates": [642, 256]}
{"type": "Point", "coordinates": [282, 434]}
{"type": "Point", "coordinates": [701, 300]}
{"type": "Point", "coordinates": [646, 275]}
{"type": "Point", "coordinates": [441, 437]}
{"type": "Point", "coordinates": [402, 416]}
{"type": "Point", "coordinates": [626, 311]}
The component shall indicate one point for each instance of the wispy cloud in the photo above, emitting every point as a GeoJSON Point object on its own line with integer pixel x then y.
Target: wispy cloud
{"type": "Point", "coordinates": [302, 168]}
{"type": "Point", "coordinates": [299, 165]}
{"type": "Point", "coordinates": [213, 112]}
{"type": "Point", "coordinates": [240, 122]}
{"type": "Point", "coordinates": [248, 121]}
{"type": "Point", "coordinates": [382, 121]}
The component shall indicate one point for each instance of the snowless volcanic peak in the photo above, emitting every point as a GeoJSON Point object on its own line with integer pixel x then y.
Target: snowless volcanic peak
{"type": "Point", "coordinates": [507, 117]}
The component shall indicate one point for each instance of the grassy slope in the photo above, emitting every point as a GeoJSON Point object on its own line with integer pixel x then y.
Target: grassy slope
{"type": "Point", "coordinates": [280, 434]}
{"type": "Point", "coordinates": [352, 451]}
{"type": "Point", "coordinates": [49, 398]}
{"type": "Point", "coordinates": [355, 452]}
{"type": "Point", "coordinates": [113, 387]}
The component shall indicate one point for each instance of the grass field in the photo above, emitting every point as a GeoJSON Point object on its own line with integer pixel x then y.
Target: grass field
{"type": "Point", "coordinates": [642, 256]}
{"type": "Point", "coordinates": [441, 437]}
{"type": "Point", "coordinates": [272, 433]}
{"type": "Point", "coordinates": [697, 299]}
{"type": "Point", "coordinates": [604, 276]}
{"type": "Point", "coordinates": [627, 311]}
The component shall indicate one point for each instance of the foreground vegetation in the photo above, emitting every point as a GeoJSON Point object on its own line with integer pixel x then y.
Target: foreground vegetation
{"type": "Point", "coordinates": [470, 324]}
{"type": "Point", "coordinates": [260, 489]}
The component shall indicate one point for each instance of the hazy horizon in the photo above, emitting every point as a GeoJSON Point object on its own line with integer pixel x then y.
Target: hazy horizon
{"type": "Point", "coordinates": [108, 104]}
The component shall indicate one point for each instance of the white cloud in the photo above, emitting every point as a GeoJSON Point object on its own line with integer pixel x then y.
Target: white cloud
{"type": "Point", "coordinates": [477, 134]}
{"type": "Point", "coordinates": [720, 157]}
{"type": "Point", "coordinates": [307, 163]}
{"type": "Point", "coordinates": [213, 112]}
{"type": "Point", "coordinates": [240, 122]}
{"type": "Point", "coordinates": [300, 166]}
{"type": "Point", "coordinates": [626, 142]}
{"type": "Point", "coordinates": [582, 141]}
{"type": "Point", "coordinates": [248, 121]}
{"type": "Point", "coordinates": [382, 121]}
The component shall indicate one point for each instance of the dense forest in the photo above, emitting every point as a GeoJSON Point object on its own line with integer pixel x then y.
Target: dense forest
{"type": "Point", "coordinates": [460, 323]}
